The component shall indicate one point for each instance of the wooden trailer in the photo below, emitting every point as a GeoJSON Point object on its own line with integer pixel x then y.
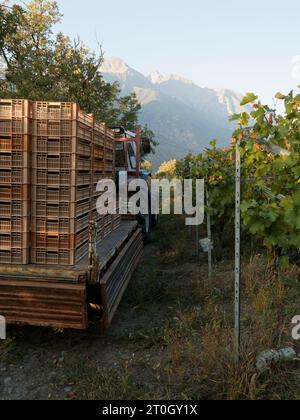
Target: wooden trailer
{"type": "Point", "coordinates": [70, 297]}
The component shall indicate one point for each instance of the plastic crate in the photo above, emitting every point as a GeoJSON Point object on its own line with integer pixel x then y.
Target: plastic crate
{"type": "Point", "coordinates": [14, 224]}
{"type": "Point", "coordinates": [59, 225]}
{"type": "Point", "coordinates": [14, 176]}
{"type": "Point", "coordinates": [84, 148]}
{"type": "Point", "coordinates": [61, 162]}
{"type": "Point", "coordinates": [109, 144]}
{"type": "Point", "coordinates": [14, 208]}
{"type": "Point", "coordinates": [110, 134]}
{"type": "Point", "coordinates": [83, 207]}
{"type": "Point", "coordinates": [98, 152]}
{"type": "Point", "coordinates": [99, 139]}
{"type": "Point", "coordinates": [15, 143]}
{"type": "Point", "coordinates": [107, 174]}
{"type": "Point", "coordinates": [98, 165]}
{"type": "Point", "coordinates": [15, 192]}
{"type": "Point", "coordinates": [45, 209]}
{"type": "Point", "coordinates": [54, 129]}
{"type": "Point", "coordinates": [98, 176]}
{"type": "Point", "coordinates": [14, 108]}
{"type": "Point", "coordinates": [109, 155]}
{"type": "Point", "coordinates": [15, 160]}
{"type": "Point", "coordinates": [53, 145]}
{"type": "Point", "coordinates": [100, 128]}
{"type": "Point", "coordinates": [59, 257]}
{"type": "Point", "coordinates": [62, 209]}
{"type": "Point", "coordinates": [54, 110]}
{"type": "Point", "coordinates": [108, 168]}
{"type": "Point", "coordinates": [15, 256]}
{"type": "Point", "coordinates": [54, 242]}
{"type": "Point", "coordinates": [84, 133]}
{"type": "Point", "coordinates": [60, 178]}
{"type": "Point", "coordinates": [15, 126]}
{"type": "Point", "coordinates": [62, 128]}
{"type": "Point", "coordinates": [10, 241]}
{"type": "Point", "coordinates": [59, 194]}
{"type": "Point", "coordinates": [85, 119]}
{"type": "Point", "coordinates": [61, 146]}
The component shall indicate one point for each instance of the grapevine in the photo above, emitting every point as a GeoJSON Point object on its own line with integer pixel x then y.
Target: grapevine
{"type": "Point", "coordinates": [271, 181]}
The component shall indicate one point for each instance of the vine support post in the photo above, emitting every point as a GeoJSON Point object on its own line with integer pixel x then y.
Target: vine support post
{"type": "Point", "coordinates": [237, 293]}
{"type": "Point", "coordinates": [209, 235]}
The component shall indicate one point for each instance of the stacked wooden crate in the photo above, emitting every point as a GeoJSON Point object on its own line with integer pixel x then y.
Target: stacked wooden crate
{"type": "Point", "coordinates": [98, 172]}
{"type": "Point", "coordinates": [15, 127]}
{"type": "Point", "coordinates": [110, 163]}
{"type": "Point", "coordinates": [61, 182]}
{"type": "Point", "coordinates": [103, 158]}
{"type": "Point", "coordinates": [52, 156]}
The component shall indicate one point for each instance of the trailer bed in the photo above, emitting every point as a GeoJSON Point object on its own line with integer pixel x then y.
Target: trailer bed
{"type": "Point", "coordinates": [59, 296]}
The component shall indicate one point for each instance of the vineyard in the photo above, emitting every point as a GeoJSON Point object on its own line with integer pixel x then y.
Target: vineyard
{"type": "Point", "coordinates": [173, 336]}
{"type": "Point", "coordinates": [270, 151]}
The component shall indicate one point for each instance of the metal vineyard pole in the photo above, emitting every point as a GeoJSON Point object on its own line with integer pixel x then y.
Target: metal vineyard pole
{"type": "Point", "coordinates": [208, 222]}
{"type": "Point", "coordinates": [276, 150]}
{"type": "Point", "coordinates": [237, 305]}
{"type": "Point", "coordinates": [209, 235]}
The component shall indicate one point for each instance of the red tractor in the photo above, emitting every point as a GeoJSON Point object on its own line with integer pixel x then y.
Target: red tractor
{"type": "Point", "coordinates": [129, 148]}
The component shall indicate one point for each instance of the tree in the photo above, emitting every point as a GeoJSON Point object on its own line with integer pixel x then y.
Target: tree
{"type": "Point", "coordinates": [28, 49]}
{"type": "Point", "coordinates": [41, 65]}
{"type": "Point", "coordinates": [147, 134]}
{"type": "Point", "coordinates": [10, 19]}
{"type": "Point", "coordinates": [146, 165]}
{"type": "Point", "coordinates": [129, 107]}
{"type": "Point", "coordinates": [167, 169]}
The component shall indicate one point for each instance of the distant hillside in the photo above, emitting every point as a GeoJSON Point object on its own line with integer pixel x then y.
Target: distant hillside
{"type": "Point", "coordinates": [184, 116]}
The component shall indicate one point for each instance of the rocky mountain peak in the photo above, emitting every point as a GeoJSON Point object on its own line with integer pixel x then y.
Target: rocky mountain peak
{"type": "Point", "coordinates": [184, 116]}
{"type": "Point", "coordinates": [231, 100]}
{"type": "Point", "coordinates": [114, 65]}
{"type": "Point", "coordinates": [157, 78]}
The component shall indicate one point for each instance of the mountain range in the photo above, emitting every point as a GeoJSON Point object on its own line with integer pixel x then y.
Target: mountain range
{"type": "Point", "coordinates": [184, 116]}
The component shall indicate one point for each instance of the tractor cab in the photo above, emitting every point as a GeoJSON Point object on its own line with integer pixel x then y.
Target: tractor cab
{"type": "Point", "coordinates": [128, 151]}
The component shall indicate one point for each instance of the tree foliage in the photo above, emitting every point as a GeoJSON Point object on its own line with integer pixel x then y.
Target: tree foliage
{"type": "Point", "coordinates": [147, 166]}
{"type": "Point", "coordinates": [167, 169]}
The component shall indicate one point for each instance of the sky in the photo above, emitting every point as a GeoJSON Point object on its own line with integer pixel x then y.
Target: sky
{"type": "Point", "coordinates": [244, 46]}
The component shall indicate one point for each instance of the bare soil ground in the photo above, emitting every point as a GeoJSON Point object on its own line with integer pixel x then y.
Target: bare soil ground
{"type": "Point", "coordinates": [171, 337]}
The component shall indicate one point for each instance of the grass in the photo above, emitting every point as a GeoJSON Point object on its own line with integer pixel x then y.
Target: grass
{"type": "Point", "coordinates": [173, 335]}
{"type": "Point", "coordinates": [194, 345]}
